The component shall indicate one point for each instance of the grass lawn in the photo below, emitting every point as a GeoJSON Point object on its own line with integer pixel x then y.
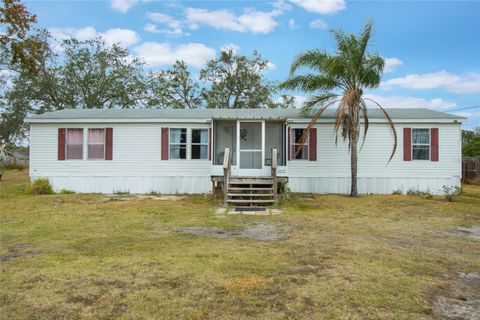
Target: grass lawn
{"type": "Point", "coordinates": [93, 256]}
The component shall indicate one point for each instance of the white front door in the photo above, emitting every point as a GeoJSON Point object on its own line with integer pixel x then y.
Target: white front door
{"type": "Point", "coordinates": [251, 146]}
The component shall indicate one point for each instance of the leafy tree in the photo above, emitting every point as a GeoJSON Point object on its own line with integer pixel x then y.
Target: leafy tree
{"type": "Point", "coordinates": [19, 48]}
{"type": "Point", "coordinates": [237, 82]}
{"type": "Point", "coordinates": [175, 88]}
{"type": "Point", "coordinates": [471, 142]}
{"type": "Point", "coordinates": [339, 79]}
{"type": "Point", "coordinates": [84, 75]}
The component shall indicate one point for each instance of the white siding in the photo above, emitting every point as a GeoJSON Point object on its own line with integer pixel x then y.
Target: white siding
{"type": "Point", "coordinates": [136, 166]}
{"type": "Point", "coordinates": [331, 172]}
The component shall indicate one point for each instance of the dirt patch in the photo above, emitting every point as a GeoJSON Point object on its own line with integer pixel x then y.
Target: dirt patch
{"type": "Point", "coordinates": [462, 300]}
{"type": "Point", "coordinates": [141, 197]}
{"type": "Point", "coordinates": [19, 250]}
{"type": "Point", "coordinates": [473, 232]}
{"type": "Point", "coordinates": [256, 231]}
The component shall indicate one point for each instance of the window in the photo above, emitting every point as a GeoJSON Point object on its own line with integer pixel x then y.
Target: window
{"type": "Point", "coordinates": [303, 154]}
{"type": "Point", "coordinates": [74, 144]}
{"type": "Point", "coordinates": [199, 143]}
{"type": "Point", "coordinates": [420, 144]}
{"type": "Point", "coordinates": [178, 143]}
{"type": "Point", "coordinates": [96, 143]}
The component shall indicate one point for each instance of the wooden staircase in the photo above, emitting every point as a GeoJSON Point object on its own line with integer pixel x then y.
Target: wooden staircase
{"type": "Point", "coordinates": [251, 191]}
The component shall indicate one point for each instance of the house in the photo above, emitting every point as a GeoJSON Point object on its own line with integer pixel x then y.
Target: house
{"type": "Point", "coordinates": [183, 151]}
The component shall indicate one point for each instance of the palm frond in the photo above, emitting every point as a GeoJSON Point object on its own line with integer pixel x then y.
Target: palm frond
{"type": "Point", "coordinates": [365, 38]}
{"type": "Point", "coordinates": [320, 101]}
{"type": "Point", "coordinates": [326, 101]}
{"type": "Point", "coordinates": [340, 118]}
{"type": "Point", "coordinates": [309, 83]}
{"type": "Point", "coordinates": [310, 59]}
{"type": "Point", "coordinates": [392, 126]}
{"type": "Point", "coordinates": [366, 124]}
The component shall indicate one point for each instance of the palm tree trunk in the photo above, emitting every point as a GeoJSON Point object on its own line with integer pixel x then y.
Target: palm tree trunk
{"type": "Point", "coordinates": [353, 162]}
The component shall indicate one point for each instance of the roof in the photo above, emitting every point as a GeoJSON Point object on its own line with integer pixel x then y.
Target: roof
{"type": "Point", "coordinates": [196, 115]}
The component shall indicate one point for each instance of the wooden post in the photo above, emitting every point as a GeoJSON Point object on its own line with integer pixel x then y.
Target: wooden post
{"type": "Point", "coordinates": [226, 173]}
{"type": "Point", "coordinates": [274, 173]}
{"type": "Point", "coordinates": [477, 168]}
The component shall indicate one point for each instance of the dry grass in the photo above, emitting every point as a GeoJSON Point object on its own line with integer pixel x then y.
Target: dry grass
{"type": "Point", "coordinates": [90, 257]}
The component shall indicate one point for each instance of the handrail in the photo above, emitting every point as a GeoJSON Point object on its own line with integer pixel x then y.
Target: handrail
{"type": "Point", "coordinates": [227, 163]}
{"type": "Point", "coordinates": [226, 157]}
{"type": "Point", "coordinates": [274, 158]}
{"type": "Point", "coordinates": [274, 172]}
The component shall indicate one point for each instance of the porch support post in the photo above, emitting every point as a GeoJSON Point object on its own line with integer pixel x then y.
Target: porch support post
{"type": "Point", "coordinates": [263, 145]}
{"type": "Point", "coordinates": [238, 145]}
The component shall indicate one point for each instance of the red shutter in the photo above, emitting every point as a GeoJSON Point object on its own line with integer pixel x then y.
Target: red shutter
{"type": "Point", "coordinates": [407, 144]}
{"type": "Point", "coordinates": [61, 144]}
{"type": "Point", "coordinates": [434, 144]}
{"type": "Point", "coordinates": [164, 143]}
{"type": "Point", "coordinates": [312, 147]}
{"type": "Point", "coordinates": [108, 143]}
{"type": "Point", "coordinates": [289, 151]}
{"type": "Point", "coordinates": [209, 143]}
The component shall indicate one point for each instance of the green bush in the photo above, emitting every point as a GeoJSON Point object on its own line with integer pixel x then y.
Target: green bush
{"type": "Point", "coordinates": [41, 186]}
{"type": "Point", "coordinates": [11, 166]}
{"type": "Point", "coordinates": [66, 191]}
{"type": "Point", "coordinates": [451, 193]}
{"type": "Point", "coordinates": [416, 192]}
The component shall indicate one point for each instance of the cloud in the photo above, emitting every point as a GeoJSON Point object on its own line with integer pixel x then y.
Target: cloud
{"type": "Point", "coordinates": [318, 24]}
{"type": "Point", "coordinates": [174, 26]}
{"type": "Point", "coordinates": [150, 27]}
{"type": "Point", "coordinates": [123, 37]}
{"type": "Point", "coordinates": [282, 5]}
{"type": "Point", "coordinates": [158, 54]}
{"type": "Point", "coordinates": [299, 101]}
{"type": "Point", "coordinates": [321, 6]}
{"type": "Point", "coordinates": [409, 102]}
{"type": "Point", "coordinates": [391, 64]}
{"type": "Point", "coordinates": [271, 66]}
{"type": "Point", "coordinates": [230, 46]}
{"type": "Point", "coordinates": [122, 5]}
{"type": "Point", "coordinates": [467, 83]}
{"type": "Point", "coordinates": [250, 21]}
{"type": "Point", "coordinates": [291, 24]}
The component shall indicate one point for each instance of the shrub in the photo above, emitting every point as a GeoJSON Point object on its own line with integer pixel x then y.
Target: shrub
{"type": "Point", "coordinates": [66, 191]}
{"type": "Point", "coordinates": [41, 186]}
{"type": "Point", "coordinates": [14, 166]}
{"type": "Point", "coordinates": [398, 191]}
{"type": "Point", "coordinates": [417, 192]}
{"type": "Point", "coordinates": [413, 192]}
{"type": "Point", "coordinates": [451, 193]}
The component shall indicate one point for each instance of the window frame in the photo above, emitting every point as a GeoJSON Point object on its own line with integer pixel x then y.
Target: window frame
{"type": "Point", "coordinates": [177, 144]}
{"type": "Point", "coordinates": [67, 144]}
{"type": "Point", "coordinates": [198, 143]}
{"type": "Point", "coordinates": [104, 143]}
{"type": "Point", "coordinates": [293, 146]}
{"type": "Point", "coordinates": [429, 144]}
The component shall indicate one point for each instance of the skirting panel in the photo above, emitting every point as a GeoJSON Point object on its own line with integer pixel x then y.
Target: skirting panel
{"type": "Point", "coordinates": [140, 185]}
{"type": "Point", "coordinates": [373, 185]}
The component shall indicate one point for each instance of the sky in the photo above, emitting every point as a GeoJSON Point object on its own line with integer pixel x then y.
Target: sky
{"type": "Point", "coordinates": [431, 48]}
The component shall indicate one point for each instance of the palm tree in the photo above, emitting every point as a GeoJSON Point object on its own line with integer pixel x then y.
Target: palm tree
{"type": "Point", "coordinates": [339, 80]}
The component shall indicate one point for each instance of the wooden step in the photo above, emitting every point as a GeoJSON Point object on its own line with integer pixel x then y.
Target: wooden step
{"type": "Point", "coordinates": [250, 181]}
{"type": "Point", "coordinates": [250, 201]}
{"type": "Point", "coordinates": [247, 188]}
{"type": "Point", "coordinates": [253, 195]}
